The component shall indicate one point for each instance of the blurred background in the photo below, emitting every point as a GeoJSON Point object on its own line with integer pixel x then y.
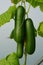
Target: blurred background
{"type": "Point", "coordinates": [7, 45]}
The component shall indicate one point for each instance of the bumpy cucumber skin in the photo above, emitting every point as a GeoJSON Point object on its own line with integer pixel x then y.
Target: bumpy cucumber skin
{"type": "Point", "coordinates": [30, 36]}
{"type": "Point", "coordinates": [19, 30]}
{"type": "Point", "coordinates": [19, 21]}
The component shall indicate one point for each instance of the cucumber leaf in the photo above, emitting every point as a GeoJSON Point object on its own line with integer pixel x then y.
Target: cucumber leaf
{"type": "Point", "coordinates": [15, 1]}
{"type": "Point", "coordinates": [4, 62]}
{"type": "Point", "coordinates": [41, 7]}
{"type": "Point", "coordinates": [40, 29]}
{"type": "Point", "coordinates": [36, 3]}
{"type": "Point", "coordinates": [33, 3]}
{"type": "Point", "coordinates": [13, 59]}
{"type": "Point", "coordinates": [41, 1]}
{"type": "Point", "coordinates": [6, 16]}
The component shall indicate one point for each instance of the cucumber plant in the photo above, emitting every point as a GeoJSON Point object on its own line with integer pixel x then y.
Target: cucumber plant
{"type": "Point", "coordinates": [24, 32]}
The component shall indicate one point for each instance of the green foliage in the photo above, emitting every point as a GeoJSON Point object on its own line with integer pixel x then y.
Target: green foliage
{"type": "Point", "coordinates": [9, 14]}
{"type": "Point", "coordinates": [13, 59]}
{"type": "Point", "coordinates": [41, 7]}
{"type": "Point", "coordinates": [33, 3]}
{"type": "Point", "coordinates": [36, 3]}
{"type": "Point", "coordinates": [4, 62]}
{"type": "Point", "coordinates": [40, 29]}
{"type": "Point", "coordinates": [41, 1]}
{"type": "Point", "coordinates": [15, 1]}
{"type": "Point", "coordinates": [12, 9]}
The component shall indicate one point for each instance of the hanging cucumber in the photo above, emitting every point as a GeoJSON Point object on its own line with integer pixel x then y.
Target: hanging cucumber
{"type": "Point", "coordinates": [19, 45]}
{"type": "Point", "coordinates": [19, 21]}
{"type": "Point", "coordinates": [20, 50]}
{"type": "Point", "coordinates": [30, 36]}
{"type": "Point", "coordinates": [19, 30]}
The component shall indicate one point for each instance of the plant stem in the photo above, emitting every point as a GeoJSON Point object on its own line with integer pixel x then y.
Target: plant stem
{"type": "Point", "coordinates": [28, 10]}
{"type": "Point", "coordinates": [25, 54]}
{"type": "Point", "coordinates": [25, 58]}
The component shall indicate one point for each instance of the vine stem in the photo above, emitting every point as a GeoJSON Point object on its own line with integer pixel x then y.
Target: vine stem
{"type": "Point", "coordinates": [25, 55]}
{"type": "Point", "coordinates": [28, 10]}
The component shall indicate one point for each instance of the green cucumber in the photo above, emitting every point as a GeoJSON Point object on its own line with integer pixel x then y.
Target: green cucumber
{"type": "Point", "coordinates": [19, 24]}
{"type": "Point", "coordinates": [19, 29]}
{"type": "Point", "coordinates": [20, 50]}
{"type": "Point", "coordinates": [30, 36]}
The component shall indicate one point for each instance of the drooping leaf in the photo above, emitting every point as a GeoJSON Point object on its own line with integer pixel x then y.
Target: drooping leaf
{"type": "Point", "coordinates": [15, 1]}
{"type": "Point", "coordinates": [40, 29]}
{"type": "Point", "coordinates": [12, 35]}
{"type": "Point", "coordinates": [13, 10]}
{"type": "Point", "coordinates": [6, 16]}
{"type": "Point", "coordinates": [13, 59]}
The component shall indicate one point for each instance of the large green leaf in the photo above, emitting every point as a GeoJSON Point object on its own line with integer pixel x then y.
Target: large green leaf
{"type": "Point", "coordinates": [13, 59]}
{"type": "Point", "coordinates": [6, 16]}
{"type": "Point", "coordinates": [41, 7]}
{"type": "Point", "coordinates": [41, 1]}
{"type": "Point", "coordinates": [33, 3]}
{"type": "Point", "coordinates": [15, 1]}
{"type": "Point", "coordinates": [36, 3]}
{"type": "Point", "coordinates": [4, 62]}
{"type": "Point", "coordinates": [40, 29]}
{"type": "Point", "coordinates": [40, 4]}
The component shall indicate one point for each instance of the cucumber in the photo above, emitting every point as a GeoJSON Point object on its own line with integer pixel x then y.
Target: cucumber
{"type": "Point", "coordinates": [20, 50]}
{"type": "Point", "coordinates": [19, 45]}
{"type": "Point", "coordinates": [19, 24]}
{"type": "Point", "coordinates": [19, 29]}
{"type": "Point", "coordinates": [30, 36]}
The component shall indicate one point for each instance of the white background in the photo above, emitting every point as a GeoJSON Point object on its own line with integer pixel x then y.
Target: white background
{"type": "Point", "coordinates": [7, 45]}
